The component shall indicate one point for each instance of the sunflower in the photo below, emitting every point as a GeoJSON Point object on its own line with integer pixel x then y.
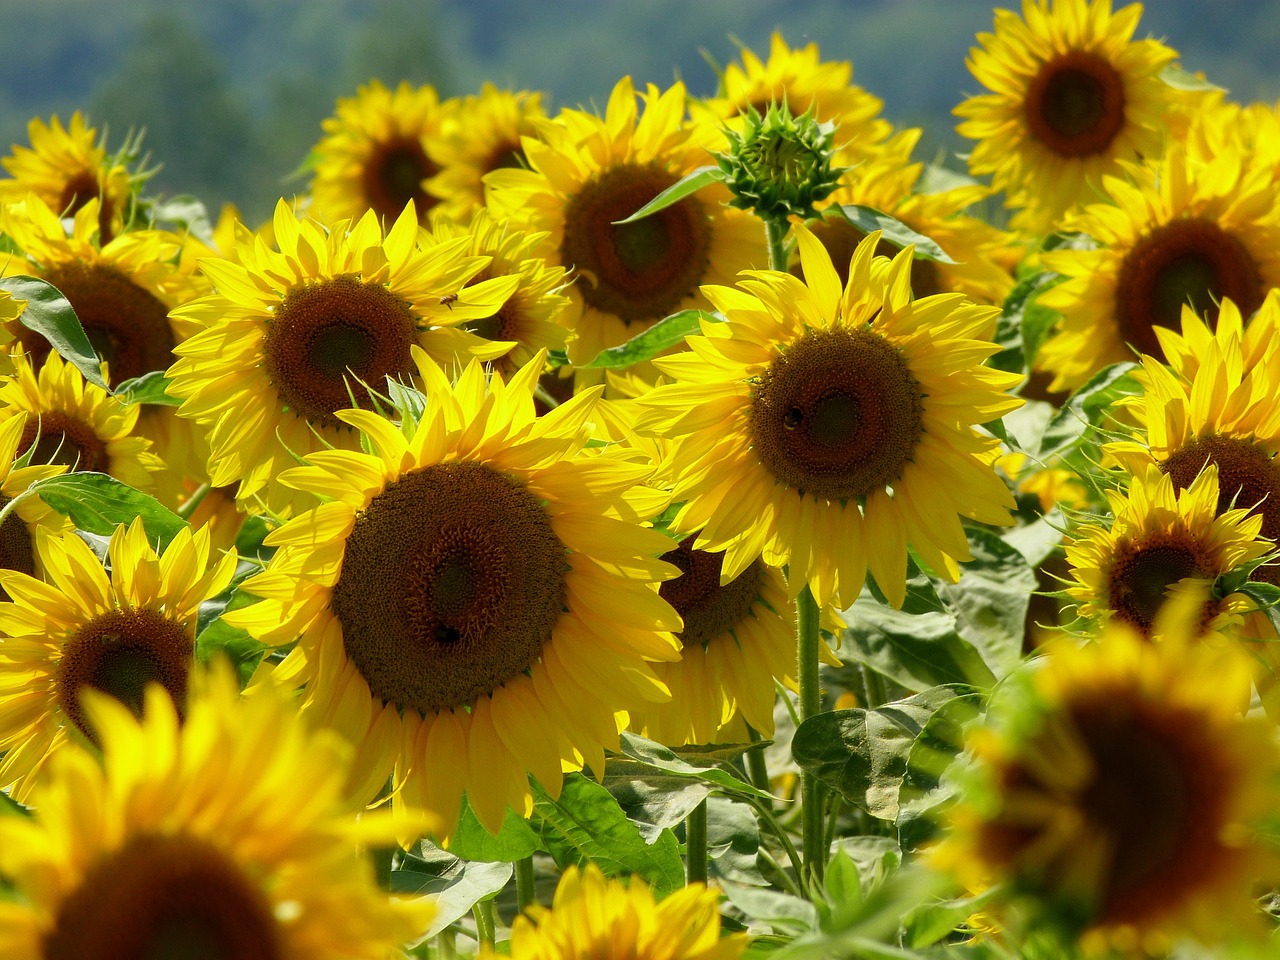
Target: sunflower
{"type": "Point", "coordinates": [595, 918]}
{"type": "Point", "coordinates": [803, 80]}
{"type": "Point", "coordinates": [86, 628]}
{"type": "Point", "coordinates": [1115, 792]}
{"type": "Point", "coordinates": [479, 134]}
{"type": "Point", "coordinates": [476, 601]}
{"type": "Point", "coordinates": [1254, 337]}
{"type": "Point", "coordinates": [828, 427]}
{"type": "Point", "coordinates": [1158, 538]}
{"type": "Point", "coordinates": [1071, 95]}
{"type": "Point", "coordinates": [218, 833]}
{"type": "Point", "coordinates": [66, 167]}
{"type": "Point", "coordinates": [1182, 231]}
{"type": "Point", "coordinates": [294, 335]}
{"type": "Point", "coordinates": [374, 153]}
{"type": "Point", "coordinates": [586, 172]}
{"type": "Point", "coordinates": [75, 423]}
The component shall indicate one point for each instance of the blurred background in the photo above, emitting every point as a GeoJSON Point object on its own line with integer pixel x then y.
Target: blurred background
{"type": "Point", "coordinates": [231, 92]}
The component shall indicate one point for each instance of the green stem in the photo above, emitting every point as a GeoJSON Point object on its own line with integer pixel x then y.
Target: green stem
{"type": "Point", "coordinates": [483, 912]}
{"type": "Point", "coordinates": [776, 828]}
{"type": "Point", "coordinates": [757, 766]}
{"type": "Point", "coordinates": [447, 944]}
{"type": "Point", "coordinates": [383, 860]}
{"type": "Point", "coordinates": [695, 845]}
{"type": "Point", "coordinates": [193, 502]}
{"type": "Point", "coordinates": [812, 826]}
{"type": "Point", "coordinates": [873, 687]}
{"type": "Point", "coordinates": [525, 897]}
{"type": "Point", "coordinates": [776, 232]}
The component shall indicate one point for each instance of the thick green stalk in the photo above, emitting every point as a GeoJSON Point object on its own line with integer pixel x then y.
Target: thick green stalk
{"type": "Point", "coordinates": [695, 844]}
{"type": "Point", "coordinates": [757, 767]}
{"type": "Point", "coordinates": [524, 883]}
{"type": "Point", "coordinates": [483, 912]}
{"type": "Point", "coordinates": [776, 231]}
{"type": "Point", "coordinates": [812, 821]}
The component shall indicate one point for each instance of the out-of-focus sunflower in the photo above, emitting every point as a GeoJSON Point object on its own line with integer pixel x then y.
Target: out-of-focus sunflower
{"type": "Point", "coordinates": [83, 628]}
{"type": "Point", "coordinates": [19, 530]}
{"type": "Point", "coordinates": [479, 134]}
{"type": "Point", "coordinates": [586, 172]}
{"type": "Point", "coordinates": [222, 833]}
{"type": "Point", "coordinates": [595, 918]}
{"type": "Point", "coordinates": [75, 423]}
{"type": "Point", "coordinates": [803, 80]}
{"type": "Point", "coordinates": [827, 425]}
{"type": "Point", "coordinates": [1115, 794]}
{"type": "Point", "coordinates": [1182, 231]}
{"type": "Point", "coordinates": [1071, 96]}
{"type": "Point", "coordinates": [66, 167]}
{"type": "Point", "coordinates": [1159, 537]}
{"type": "Point", "coordinates": [294, 335]}
{"type": "Point", "coordinates": [475, 603]}
{"type": "Point", "coordinates": [374, 153]}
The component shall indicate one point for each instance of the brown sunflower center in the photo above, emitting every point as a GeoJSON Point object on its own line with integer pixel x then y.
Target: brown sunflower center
{"type": "Point", "coordinates": [838, 415]}
{"type": "Point", "coordinates": [393, 175]}
{"type": "Point", "coordinates": [636, 271]}
{"type": "Point", "coordinates": [1190, 261]}
{"type": "Point", "coordinates": [120, 653]}
{"type": "Point", "coordinates": [65, 440]}
{"type": "Point", "coordinates": [452, 582]}
{"type": "Point", "coordinates": [709, 610]}
{"type": "Point", "coordinates": [79, 190]}
{"type": "Point", "coordinates": [505, 156]}
{"type": "Point", "coordinates": [127, 325]}
{"type": "Point", "coordinates": [840, 238]}
{"type": "Point", "coordinates": [170, 897]}
{"type": "Point", "coordinates": [1143, 570]}
{"type": "Point", "coordinates": [328, 338]}
{"type": "Point", "coordinates": [1248, 476]}
{"type": "Point", "coordinates": [16, 550]}
{"type": "Point", "coordinates": [1075, 105]}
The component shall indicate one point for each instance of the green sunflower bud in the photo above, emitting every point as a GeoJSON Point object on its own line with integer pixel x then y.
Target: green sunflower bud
{"type": "Point", "coordinates": [780, 165]}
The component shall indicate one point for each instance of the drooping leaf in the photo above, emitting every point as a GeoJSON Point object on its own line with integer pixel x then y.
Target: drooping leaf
{"type": "Point", "coordinates": [98, 502]}
{"type": "Point", "coordinates": [709, 769]}
{"type": "Point", "coordinates": [649, 343]}
{"type": "Point", "coordinates": [148, 388]}
{"type": "Point", "coordinates": [51, 315]}
{"type": "Point", "coordinates": [471, 841]}
{"type": "Point", "coordinates": [652, 799]}
{"type": "Point", "coordinates": [869, 219]}
{"type": "Point", "coordinates": [689, 184]}
{"type": "Point", "coordinates": [455, 885]}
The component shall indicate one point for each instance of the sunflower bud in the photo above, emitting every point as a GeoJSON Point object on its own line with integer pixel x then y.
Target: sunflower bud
{"type": "Point", "coordinates": [780, 165]}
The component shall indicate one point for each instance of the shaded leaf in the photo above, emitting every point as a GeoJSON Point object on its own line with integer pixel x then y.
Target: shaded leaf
{"type": "Point", "coordinates": [712, 771]}
{"type": "Point", "coordinates": [690, 183]}
{"type": "Point", "coordinates": [649, 343]}
{"type": "Point", "coordinates": [991, 599]}
{"type": "Point", "coordinates": [784, 913]}
{"type": "Point", "coordinates": [97, 502]}
{"type": "Point", "coordinates": [652, 799]}
{"type": "Point", "coordinates": [454, 884]}
{"type": "Point", "coordinates": [869, 219]}
{"type": "Point", "coordinates": [234, 643]}
{"type": "Point", "coordinates": [925, 788]}
{"type": "Point", "coordinates": [148, 388]}
{"type": "Point", "coordinates": [1087, 407]}
{"type": "Point", "coordinates": [733, 842]}
{"type": "Point", "coordinates": [51, 315]}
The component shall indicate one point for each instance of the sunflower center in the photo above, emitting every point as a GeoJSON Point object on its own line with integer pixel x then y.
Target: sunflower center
{"type": "Point", "coordinates": [64, 440]}
{"type": "Point", "coordinates": [1193, 262]}
{"type": "Point", "coordinates": [636, 271]}
{"type": "Point", "coordinates": [1142, 572]}
{"type": "Point", "coordinates": [506, 156]}
{"type": "Point", "coordinates": [172, 897]}
{"type": "Point", "coordinates": [16, 551]}
{"type": "Point", "coordinates": [120, 652]}
{"type": "Point", "coordinates": [394, 175]}
{"type": "Point", "coordinates": [78, 191]}
{"type": "Point", "coordinates": [328, 338]}
{"type": "Point", "coordinates": [840, 238]}
{"type": "Point", "coordinates": [452, 582]}
{"type": "Point", "coordinates": [1075, 105]}
{"type": "Point", "coordinates": [709, 610]}
{"type": "Point", "coordinates": [127, 325]}
{"type": "Point", "coordinates": [838, 415]}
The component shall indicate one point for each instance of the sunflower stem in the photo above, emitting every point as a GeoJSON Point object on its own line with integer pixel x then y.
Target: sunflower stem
{"type": "Point", "coordinates": [193, 502]}
{"type": "Point", "coordinates": [695, 844]}
{"type": "Point", "coordinates": [812, 822]}
{"type": "Point", "coordinates": [757, 765]}
{"type": "Point", "coordinates": [525, 896]}
{"type": "Point", "coordinates": [483, 912]}
{"type": "Point", "coordinates": [776, 231]}
{"type": "Point", "coordinates": [447, 944]}
{"type": "Point", "coordinates": [873, 687]}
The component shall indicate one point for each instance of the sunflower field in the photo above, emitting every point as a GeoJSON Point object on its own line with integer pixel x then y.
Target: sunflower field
{"type": "Point", "coordinates": [689, 529]}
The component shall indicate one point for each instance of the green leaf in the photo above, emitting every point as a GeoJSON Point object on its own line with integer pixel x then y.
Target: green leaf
{"type": "Point", "coordinates": [733, 842]}
{"type": "Point", "coordinates": [925, 788]}
{"type": "Point", "coordinates": [97, 502]}
{"type": "Point", "coordinates": [455, 885]}
{"type": "Point", "coordinates": [652, 799]}
{"type": "Point", "coordinates": [1267, 597]}
{"type": "Point", "coordinates": [148, 388]}
{"type": "Point", "coordinates": [1023, 323]}
{"type": "Point", "coordinates": [869, 219]}
{"type": "Point", "coordinates": [863, 753]}
{"type": "Point", "coordinates": [10, 807]}
{"type": "Point", "coordinates": [586, 825]}
{"type": "Point", "coordinates": [249, 544]}
{"type": "Point", "coordinates": [784, 913]}
{"type": "Point", "coordinates": [1087, 407]}
{"type": "Point", "coordinates": [690, 183]}
{"type": "Point", "coordinates": [1180, 79]}
{"type": "Point", "coordinates": [185, 213]}
{"type": "Point", "coordinates": [235, 643]}
{"type": "Point", "coordinates": [471, 841]}
{"type": "Point", "coordinates": [50, 314]}
{"type": "Point", "coordinates": [711, 770]}
{"type": "Point", "coordinates": [649, 343]}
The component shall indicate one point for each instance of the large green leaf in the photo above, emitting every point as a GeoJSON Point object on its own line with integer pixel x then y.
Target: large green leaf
{"type": "Point", "coordinates": [455, 885]}
{"type": "Point", "coordinates": [709, 767]}
{"type": "Point", "coordinates": [586, 825]}
{"type": "Point", "coordinates": [51, 315]}
{"type": "Point", "coordinates": [97, 502]}
{"type": "Point", "coordinates": [653, 799]}
{"type": "Point", "coordinates": [869, 219]}
{"type": "Point", "coordinates": [234, 643]}
{"type": "Point", "coordinates": [649, 343]}
{"type": "Point", "coordinates": [1023, 323]}
{"type": "Point", "coordinates": [733, 841]}
{"type": "Point", "coordinates": [925, 788]}
{"type": "Point", "coordinates": [689, 184]}
{"type": "Point", "coordinates": [471, 841]}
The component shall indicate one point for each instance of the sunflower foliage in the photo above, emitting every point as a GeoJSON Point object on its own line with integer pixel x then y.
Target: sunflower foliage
{"type": "Point", "coordinates": [692, 528]}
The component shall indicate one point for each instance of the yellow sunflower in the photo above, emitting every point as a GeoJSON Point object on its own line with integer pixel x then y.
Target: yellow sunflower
{"type": "Point", "coordinates": [1157, 538]}
{"type": "Point", "coordinates": [595, 918]}
{"type": "Point", "coordinates": [474, 603]}
{"type": "Point", "coordinates": [1256, 338]}
{"type": "Point", "coordinates": [1071, 95]}
{"type": "Point", "coordinates": [86, 628]}
{"type": "Point", "coordinates": [75, 423]}
{"type": "Point", "coordinates": [1181, 232]}
{"type": "Point", "coordinates": [828, 426]}
{"type": "Point", "coordinates": [801, 78]}
{"type": "Point", "coordinates": [587, 172]}
{"type": "Point", "coordinates": [293, 335]}
{"type": "Point", "coordinates": [479, 134]}
{"type": "Point", "coordinates": [20, 529]}
{"type": "Point", "coordinates": [221, 833]}
{"type": "Point", "coordinates": [374, 153]}
{"type": "Point", "coordinates": [66, 167]}
{"type": "Point", "coordinates": [1115, 792]}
